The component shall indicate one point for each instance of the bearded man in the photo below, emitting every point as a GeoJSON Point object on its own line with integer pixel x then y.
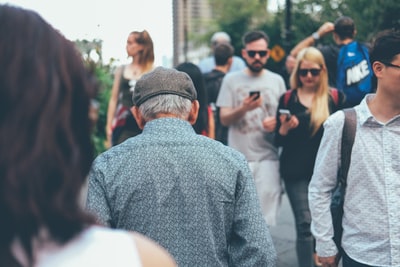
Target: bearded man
{"type": "Point", "coordinates": [248, 101]}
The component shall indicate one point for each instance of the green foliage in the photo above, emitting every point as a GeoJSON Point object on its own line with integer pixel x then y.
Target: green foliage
{"type": "Point", "coordinates": [105, 80]}
{"type": "Point", "coordinates": [92, 55]}
{"type": "Point", "coordinates": [370, 16]}
{"type": "Point", "coordinates": [238, 16]}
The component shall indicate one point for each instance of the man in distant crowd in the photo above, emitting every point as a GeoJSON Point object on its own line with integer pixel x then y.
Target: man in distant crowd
{"type": "Point", "coordinates": [344, 31]}
{"type": "Point", "coordinates": [248, 100]}
{"type": "Point", "coordinates": [371, 225]}
{"type": "Point", "coordinates": [208, 64]}
{"type": "Point", "coordinates": [191, 194]}
{"type": "Point", "coordinates": [223, 55]}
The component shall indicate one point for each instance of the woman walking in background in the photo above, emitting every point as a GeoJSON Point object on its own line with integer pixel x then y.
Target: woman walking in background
{"type": "Point", "coordinates": [120, 123]}
{"type": "Point", "coordinates": [310, 102]}
{"type": "Point", "coordinates": [46, 154]}
{"type": "Point", "coordinates": [205, 124]}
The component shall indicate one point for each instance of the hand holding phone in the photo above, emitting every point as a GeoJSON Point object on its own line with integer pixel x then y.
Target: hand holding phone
{"type": "Point", "coordinates": [285, 112]}
{"type": "Point", "coordinates": [257, 93]}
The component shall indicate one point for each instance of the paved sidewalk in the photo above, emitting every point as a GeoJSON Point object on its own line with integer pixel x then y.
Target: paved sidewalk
{"type": "Point", "coordinates": [284, 236]}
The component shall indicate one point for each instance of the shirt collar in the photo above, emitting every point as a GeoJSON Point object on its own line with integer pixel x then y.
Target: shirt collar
{"type": "Point", "coordinates": [364, 114]}
{"type": "Point", "coordinates": [169, 124]}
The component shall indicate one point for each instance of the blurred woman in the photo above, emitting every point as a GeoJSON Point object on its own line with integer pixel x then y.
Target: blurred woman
{"type": "Point", "coordinates": [120, 123]}
{"type": "Point", "coordinates": [46, 153]}
{"type": "Point", "coordinates": [310, 102]}
{"type": "Point", "coordinates": [205, 124]}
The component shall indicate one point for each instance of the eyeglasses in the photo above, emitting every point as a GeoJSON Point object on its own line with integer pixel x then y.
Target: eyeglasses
{"type": "Point", "coordinates": [304, 72]}
{"type": "Point", "coordinates": [390, 65]}
{"type": "Point", "coordinates": [261, 53]}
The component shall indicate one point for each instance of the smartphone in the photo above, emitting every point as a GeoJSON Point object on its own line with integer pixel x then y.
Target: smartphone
{"type": "Point", "coordinates": [285, 112]}
{"type": "Point", "coordinates": [257, 93]}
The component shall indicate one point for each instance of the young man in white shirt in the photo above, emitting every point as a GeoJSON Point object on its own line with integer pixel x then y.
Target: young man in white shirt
{"type": "Point", "coordinates": [371, 226]}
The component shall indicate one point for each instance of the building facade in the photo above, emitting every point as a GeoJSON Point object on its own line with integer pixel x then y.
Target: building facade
{"type": "Point", "coordinates": [191, 20]}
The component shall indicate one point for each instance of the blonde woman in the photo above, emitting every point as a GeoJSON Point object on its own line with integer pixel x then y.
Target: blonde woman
{"type": "Point", "coordinates": [120, 123]}
{"type": "Point", "coordinates": [309, 102]}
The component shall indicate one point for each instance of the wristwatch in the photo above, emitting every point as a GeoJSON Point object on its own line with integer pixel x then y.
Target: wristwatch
{"type": "Point", "coordinates": [315, 36]}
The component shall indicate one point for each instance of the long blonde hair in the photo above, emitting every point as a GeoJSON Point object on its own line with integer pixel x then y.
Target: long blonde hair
{"type": "Point", "coordinates": [319, 110]}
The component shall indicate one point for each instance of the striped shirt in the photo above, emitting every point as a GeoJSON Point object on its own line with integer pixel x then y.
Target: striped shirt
{"type": "Point", "coordinates": [371, 220]}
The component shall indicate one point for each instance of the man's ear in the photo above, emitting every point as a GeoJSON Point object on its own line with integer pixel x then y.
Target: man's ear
{"type": "Point", "coordinates": [138, 117]}
{"type": "Point", "coordinates": [377, 68]}
{"type": "Point", "coordinates": [194, 112]}
{"type": "Point", "coordinates": [230, 61]}
{"type": "Point", "coordinates": [244, 53]}
{"type": "Point", "coordinates": [336, 38]}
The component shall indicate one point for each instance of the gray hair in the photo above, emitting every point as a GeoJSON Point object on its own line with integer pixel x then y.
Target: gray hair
{"type": "Point", "coordinates": [165, 103]}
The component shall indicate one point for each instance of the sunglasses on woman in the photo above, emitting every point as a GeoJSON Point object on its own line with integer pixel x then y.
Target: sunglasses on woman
{"type": "Point", "coordinates": [304, 72]}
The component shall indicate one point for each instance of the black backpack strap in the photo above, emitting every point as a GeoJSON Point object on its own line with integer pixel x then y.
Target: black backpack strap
{"type": "Point", "coordinates": [348, 135]}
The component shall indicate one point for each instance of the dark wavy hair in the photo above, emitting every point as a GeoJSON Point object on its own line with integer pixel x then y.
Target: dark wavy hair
{"type": "Point", "coordinates": [252, 36]}
{"type": "Point", "coordinates": [195, 74]}
{"type": "Point", "coordinates": [46, 151]}
{"type": "Point", "coordinates": [147, 58]}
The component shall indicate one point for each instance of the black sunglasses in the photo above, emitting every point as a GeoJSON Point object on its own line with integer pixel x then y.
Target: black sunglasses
{"type": "Point", "coordinates": [304, 72]}
{"type": "Point", "coordinates": [390, 65]}
{"type": "Point", "coordinates": [261, 53]}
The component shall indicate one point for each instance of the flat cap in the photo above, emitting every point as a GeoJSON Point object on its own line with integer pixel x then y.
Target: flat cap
{"type": "Point", "coordinates": [163, 81]}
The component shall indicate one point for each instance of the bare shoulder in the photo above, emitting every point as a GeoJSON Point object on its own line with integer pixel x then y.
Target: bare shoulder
{"type": "Point", "coordinates": [152, 254]}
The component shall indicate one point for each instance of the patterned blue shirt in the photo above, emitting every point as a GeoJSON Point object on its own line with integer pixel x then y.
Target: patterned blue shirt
{"type": "Point", "coordinates": [191, 194]}
{"type": "Point", "coordinates": [371, 220]}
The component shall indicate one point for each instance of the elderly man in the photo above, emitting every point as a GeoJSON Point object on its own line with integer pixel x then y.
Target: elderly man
{"type": "Point", "coordinates": [191, 194]}
{"type": "Point", "coordinates": [208, 64]}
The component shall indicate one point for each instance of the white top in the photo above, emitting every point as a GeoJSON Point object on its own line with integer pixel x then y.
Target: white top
{"type": "Point", "coordinates": [96, 246]}
{"type": "Point", "coordinates": [247, 135]}
{"type": "Point", "coordinates": [371, 225]}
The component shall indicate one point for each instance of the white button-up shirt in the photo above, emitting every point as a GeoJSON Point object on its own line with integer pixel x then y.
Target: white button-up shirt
{"type": "Point", "coordinates": [371, 220]}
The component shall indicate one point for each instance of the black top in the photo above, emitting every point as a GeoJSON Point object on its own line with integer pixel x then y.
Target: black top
{"type": "Point", "coordinates": [299, 148]}
{"type": "Point", "coordinates": [331, 53]}
{"type": "Point", "coordinates": [213, 80]}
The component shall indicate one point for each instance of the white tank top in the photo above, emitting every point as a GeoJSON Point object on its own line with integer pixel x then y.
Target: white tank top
{"type": "Point", "coordinates": [96, 246]}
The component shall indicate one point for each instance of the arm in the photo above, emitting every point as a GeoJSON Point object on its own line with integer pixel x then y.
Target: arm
{"type": "Point", "coordinates": [322, 183]}
{"type": "Point", "coordinates": [283, 126]}
{"type": "Point", "coordinates": [211, 123]}
{"type": "Point", "coordinates": [97, 202]}
{"type": "Point", "coordinates": [250, 233]}
{"type": "Point", "coordinates": [151, 254]}
{"type": "Point", "coordinates": [230, 115]}
{"type": "Point", "coordinates": [270, 122]}
{"type": "Point", "coordinates": [287, 125]}
{"type": "Point", "coordinates": [325, 29]}
{"type": "Point", "coordinates": [112, 104]}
